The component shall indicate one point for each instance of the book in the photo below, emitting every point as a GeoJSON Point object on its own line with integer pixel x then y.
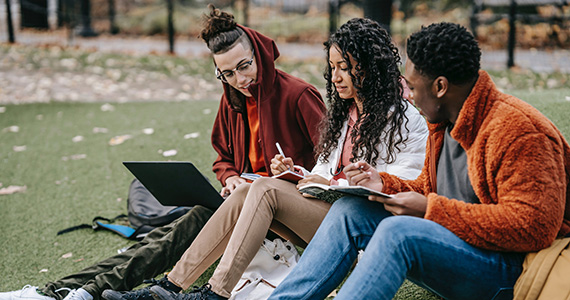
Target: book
{"type": "Point", "coordinates": [287, 175]}
{"type": "Point", "coordinates": [331, 193]}
{"type": "Point", "coordinates": [290, 176]}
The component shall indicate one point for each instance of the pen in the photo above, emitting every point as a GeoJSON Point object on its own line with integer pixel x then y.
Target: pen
{"type": "Point", "coordinates": [281, 151]}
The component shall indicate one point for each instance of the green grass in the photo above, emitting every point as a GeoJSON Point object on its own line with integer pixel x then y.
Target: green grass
{"type": "Point", "coordinates": [62, 193]}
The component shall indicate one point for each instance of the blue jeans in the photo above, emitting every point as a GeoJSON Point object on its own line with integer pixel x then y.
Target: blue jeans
{"type": "Point", "coordinates": [397, 247]}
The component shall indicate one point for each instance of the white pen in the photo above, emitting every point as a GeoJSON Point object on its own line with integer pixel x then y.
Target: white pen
{"type": "Point", "coordinates": [281, 152]}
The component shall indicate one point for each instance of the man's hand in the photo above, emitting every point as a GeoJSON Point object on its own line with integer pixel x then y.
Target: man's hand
{"type": "Point", "coordinates": [280, 164]}
{"type": "Point", "coordinates": [313, 178]}
{"type": "Point", "coordinates": [231, 184]}
{"type": "Point", "coordinates": [362, 174]}
{"type": "Point", "coordinates": [406, 203]}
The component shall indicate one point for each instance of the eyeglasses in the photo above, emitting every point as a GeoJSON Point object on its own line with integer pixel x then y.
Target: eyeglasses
{"type": "Point", "coordinates": [229, 75]}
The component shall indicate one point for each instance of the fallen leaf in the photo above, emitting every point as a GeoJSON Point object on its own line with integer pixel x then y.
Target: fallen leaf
{"type": "Point", "coordinates": [13, 128]}
{"type": "Point", "coordinates": [43, 270]}
{"type": "Point", "coordinates": [77, 138]}
{"type": "Point", "coordinates": [567, 98]}
{"type": "Point", "coordinates": [74, 157]}
{"type": "Point", "coordinates": [207, 111]}
{"type": "Point", "coordinates": [100, 130]}
{"type": "Point", "coordinates": [12, 189]}
{"type": "Point", "coordinates": [148, 131]}
{"type": "Point", "coordinates": [2, 109]}
{"type": "Point", "coordinates": [107, 107]}
{"type": "Point", "coordinates": [19, 148]}
{"type": "Point", "coordinates": [67, 255]}
{"type": "Point", "coordinates": [78, 260]}
{"type": "Point", "coordinates": [117, 140]}
{"type": "Point", "coordinates": [192, 135]}
{"type": "Point", "coordinates": [119, 199]}
{"type": "Point", "coordinates": [168, 153]}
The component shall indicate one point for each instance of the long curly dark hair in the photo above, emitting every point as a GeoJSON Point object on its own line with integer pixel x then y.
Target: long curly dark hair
{"type": "Point", "coordinates": [376, 79]}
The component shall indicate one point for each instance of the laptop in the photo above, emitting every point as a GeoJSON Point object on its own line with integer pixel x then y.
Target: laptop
{"type": "Point", "coordinates": [175, 183]}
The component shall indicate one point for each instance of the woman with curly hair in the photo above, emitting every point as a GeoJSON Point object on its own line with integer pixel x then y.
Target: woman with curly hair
{"type": "Point", "coordinates": [368, 119]}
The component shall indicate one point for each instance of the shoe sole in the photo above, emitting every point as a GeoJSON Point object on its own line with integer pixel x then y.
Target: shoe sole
{"type": "Point", "coordinates": [111, 295]}
{"type": "Point", "coordinates": [159, 293]}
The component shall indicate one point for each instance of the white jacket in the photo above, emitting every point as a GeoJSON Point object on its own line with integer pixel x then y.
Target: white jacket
{"type": "Point", "coordinates": [409, 161]}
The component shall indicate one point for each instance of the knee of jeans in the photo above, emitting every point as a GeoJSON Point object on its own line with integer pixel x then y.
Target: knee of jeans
{"type": "Point", "coordinates": [400, 229]}
{"type": "Point", "coordinates": [348, 205]}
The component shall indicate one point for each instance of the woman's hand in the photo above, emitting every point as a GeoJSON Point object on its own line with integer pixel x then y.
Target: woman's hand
{"type": "Point", "coordinates": [363, 174]}
{"type": "Point", "coordinates": [280, 164]}
{"type": "Point", "coordinates": [231, 184]}
{"type": "Point", "coordinates": [313, 178]}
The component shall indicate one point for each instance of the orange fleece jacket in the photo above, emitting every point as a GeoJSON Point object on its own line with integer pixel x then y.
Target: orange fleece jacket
{"type": "Point", "coordinates": [519, 165]}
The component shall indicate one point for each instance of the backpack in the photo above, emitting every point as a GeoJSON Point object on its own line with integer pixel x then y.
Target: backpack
{"type": "Point", "coordinates": [545, 273]}
{"type": "Point", "coordinates": [144, 213]}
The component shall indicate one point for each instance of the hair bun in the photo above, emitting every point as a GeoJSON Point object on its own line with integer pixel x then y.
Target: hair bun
{"type": "Point", "coordinates": [216, 22]}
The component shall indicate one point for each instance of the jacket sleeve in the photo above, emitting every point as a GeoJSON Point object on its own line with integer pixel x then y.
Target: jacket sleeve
{"type": "Point", "coordinates": [311, 110]}
{"type": "Point", "coordinates": [224, 165]}
{"type": "Point", "coordinates": [525, 179]}
{"type": "Point", "coordinates": [410, 159]}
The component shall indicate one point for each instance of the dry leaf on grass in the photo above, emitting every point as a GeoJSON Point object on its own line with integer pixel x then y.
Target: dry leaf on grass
{"type": "Point", "coordinates": [78, 138]}
{"type": "Point", "coordinates": [74, 157]}
{"type": "Point", "coordinates": [168, 153]}
{"type": "Point", "coordinates": [67, 255]}
{"type": "Point", "coordinates": [43, 271]}
{"type": "Point", "coordinates": [567, 98]}
{"type": "Point", "coordinates": [12, 189]}
{"type": "Point", "coordinates": [148, 131]}
{"type": "Point", "coordinates": [192, 135]}
{"type": "Point", "coordinates": [117, 140]}
{"type": "Point", "coordinates": [2, 109]}
{"type": "Point", "coordinates": [107, 107]}
{"type": "Point", "coordinates": [100, 130]}
{"type": "Point", "coordinates": [207, 111]}
{"type": "Point", "coordinates": [13, 128]}
{"type": "Point", "coordinates": [19, 148]}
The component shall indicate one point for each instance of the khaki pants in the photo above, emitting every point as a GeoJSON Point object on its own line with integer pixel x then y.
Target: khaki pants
{"type": "Point", "coordinates": [157, 252]}
{"type": "Point", "coordinates": [251, 209]}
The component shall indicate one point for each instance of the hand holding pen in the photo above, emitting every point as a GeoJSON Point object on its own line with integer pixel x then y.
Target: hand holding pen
{"type": "Point", "coordinates": [280, 163]}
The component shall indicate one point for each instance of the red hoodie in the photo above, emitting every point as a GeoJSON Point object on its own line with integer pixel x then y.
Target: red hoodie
{"type": "Point", "coordinates": [289, 109]}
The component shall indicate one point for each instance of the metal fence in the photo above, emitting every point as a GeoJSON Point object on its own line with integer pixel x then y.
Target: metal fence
{"type": "Point", "coordinates": [60, 21]}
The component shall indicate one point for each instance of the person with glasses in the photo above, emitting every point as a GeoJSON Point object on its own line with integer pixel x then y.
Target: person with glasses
{"type": "Point", "coordinates": [260, 106]}
{"type": "Point", "coordinates": [367, 119]}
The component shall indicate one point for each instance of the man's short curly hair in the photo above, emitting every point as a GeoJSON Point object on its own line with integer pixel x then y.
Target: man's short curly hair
{"type": "Point", "coordinates": [445, 49]}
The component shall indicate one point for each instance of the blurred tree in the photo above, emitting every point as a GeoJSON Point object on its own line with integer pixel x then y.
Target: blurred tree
{"type": "Point", "coordinates": [408, 6]}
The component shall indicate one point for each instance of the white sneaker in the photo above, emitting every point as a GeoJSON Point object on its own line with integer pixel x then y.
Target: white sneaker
{"type": "Point", "coordinates": [28, 292]}
{"type": "Point", "coordinates": [79, 294]}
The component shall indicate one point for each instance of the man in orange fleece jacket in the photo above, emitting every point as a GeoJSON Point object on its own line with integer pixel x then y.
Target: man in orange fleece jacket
{"type": "Point", "coordinates": [494, 187]}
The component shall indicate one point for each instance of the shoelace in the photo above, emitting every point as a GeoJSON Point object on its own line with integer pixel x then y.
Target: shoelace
{"type": "Point", "coordinates": [25, 288]}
